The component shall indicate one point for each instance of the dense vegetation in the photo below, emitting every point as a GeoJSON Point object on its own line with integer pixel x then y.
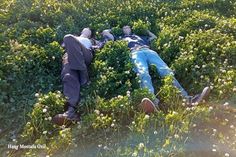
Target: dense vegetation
{"type": "Point", "coordinates": [196, 38]}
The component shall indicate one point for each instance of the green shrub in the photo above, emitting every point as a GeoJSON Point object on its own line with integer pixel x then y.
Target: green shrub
{"type": "Point", "coordinates": [40, 123]}
{"type": "Point", "coordinates": [196, 38]}
{"type": "Point", "coordinates": [170, 95]}
{"type": "Point", "coordinates": [112, 69]}
{"type": "Point", "coordinates": [201, 58]}
{"type": "Point", "coordinates": [140, 27]}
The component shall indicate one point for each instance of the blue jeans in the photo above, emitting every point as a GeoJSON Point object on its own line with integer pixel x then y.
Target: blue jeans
{"type": "Point", "coordinates": [144, 57]}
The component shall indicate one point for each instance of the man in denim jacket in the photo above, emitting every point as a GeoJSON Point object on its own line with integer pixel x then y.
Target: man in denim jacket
{"type": "Point", "coordinates": [142, 56]}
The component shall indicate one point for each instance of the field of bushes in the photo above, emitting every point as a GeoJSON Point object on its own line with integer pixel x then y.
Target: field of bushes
{"type": "Point", "coordinates": [196, 38]}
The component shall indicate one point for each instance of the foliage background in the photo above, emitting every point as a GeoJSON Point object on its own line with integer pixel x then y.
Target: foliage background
{"type": "Point", "coordinates": [195, 38]}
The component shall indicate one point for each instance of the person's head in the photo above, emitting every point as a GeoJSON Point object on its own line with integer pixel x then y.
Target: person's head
{"type": "Point", "coordinates": [107, 33]}
{"type": "Point", "coordinates": [86, 32]}
{"type": "Point", "coordinates": [126, 30]}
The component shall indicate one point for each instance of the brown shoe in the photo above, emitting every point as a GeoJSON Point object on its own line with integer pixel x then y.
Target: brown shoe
{"type": "Point", "coordinates": [60, 120]}
{"type": "Point", "coordinates": [66, 118]}
{"type": "Point", "coordinates": [148, 106]}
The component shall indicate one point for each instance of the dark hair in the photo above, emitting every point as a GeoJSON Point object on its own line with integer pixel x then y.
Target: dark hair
{"type": "Point", "coordinates": [93, 32]}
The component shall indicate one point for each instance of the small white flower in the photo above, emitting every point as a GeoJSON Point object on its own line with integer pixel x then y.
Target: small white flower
{"type": "Point", "coordinates": [175, 112]}
{"type": "Point", "coordinates": [36, 95]}
{"type": "Point", "coordinates": [97, 112]}
{"type": "Point", "coordinates": [180, 37]}
{"type": "Point", "coordinates": [63, 126]}
{"type": "Point", "coordinates": [155, 132]}
{"type": "Point", "coordinates": [44, 110]}
{"type": "Point", "coordinates": [105, 148]}
{"type": "Point", "coordinates": [194, 125]}
{"type": "Point", "coordinates": [226, 104]}
{"type": "Point", "coordinates": [196, 66]}
{"type": "Point", "coordinates": [227, 154]}
{"type": "Point", "coordinates": [127, 72]}
{"type": "Point", "coordinates": [112, 125]}
{"type": "Point", "coordinates": [44, 132]}
{"type": "Point", "coordinates": [210, 108]}
{"type": "Point", "coordinates": [128, 93]}
{"type": "Point", "coordinates": [188, 109]}
{"type": "Point", "coordinates": [214, 150]}
{"type": "Point", "coordinates": [49, 118]}
{"type": "Point", "coordinates": [100, 145]}
{"type": "Point", "coordinates": [234, 89]}
{"type": "Point", "coordinates": [135, 154]}
{"type": "Point", "coordinates": [140, 146]}
{"type": "Point", "coordinates": [120, 96]}
{"type": "Point", "coordinates": [146, 116]}
{"type": "Point", "coordinates": [231, 126]}
{"type": "Point", "coordinates": [176, 136]}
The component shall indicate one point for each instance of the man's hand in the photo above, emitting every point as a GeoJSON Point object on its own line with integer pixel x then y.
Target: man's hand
{"type": "Point", "coordinates": [65, 58]}
{"type": "Point", "coordinates": [95, 47]}
{"type": "Point", "coordinates": [152, 36]}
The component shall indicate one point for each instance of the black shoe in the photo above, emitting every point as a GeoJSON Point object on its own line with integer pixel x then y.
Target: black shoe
{"type": "Point", "coordinates": [200, 97]}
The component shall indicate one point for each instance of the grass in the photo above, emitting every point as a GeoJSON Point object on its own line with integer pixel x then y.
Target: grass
{"type": "Point", "coordinates": [207, 130]}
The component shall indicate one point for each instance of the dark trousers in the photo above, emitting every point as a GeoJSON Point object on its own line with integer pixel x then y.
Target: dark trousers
{"type": "Point", "coordinates": [75, 69]}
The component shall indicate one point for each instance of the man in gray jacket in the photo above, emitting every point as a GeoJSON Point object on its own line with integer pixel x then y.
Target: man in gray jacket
{"type": "Point", "coordinates": [78, 56]}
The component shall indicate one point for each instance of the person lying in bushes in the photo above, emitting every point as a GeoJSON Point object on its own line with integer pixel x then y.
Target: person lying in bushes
{"type": "Point", "coordinates": [142, 56]}
{"type": "Point", "coordinates": [78, 56]}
